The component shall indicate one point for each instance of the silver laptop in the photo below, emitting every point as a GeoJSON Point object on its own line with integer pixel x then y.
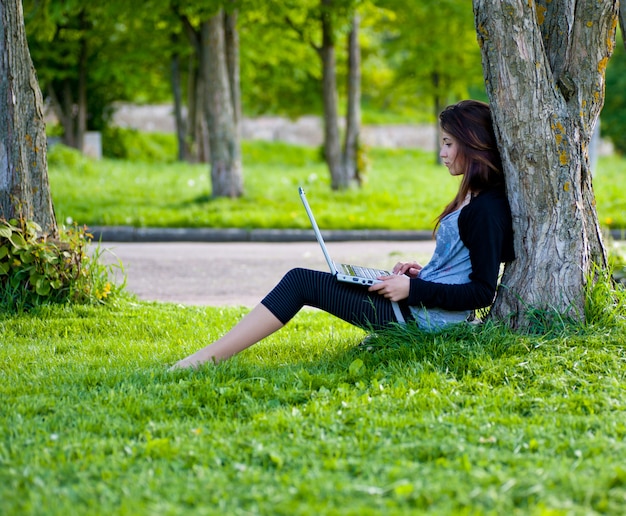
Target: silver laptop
{"type": "Point", "coordinates": [343, 272]}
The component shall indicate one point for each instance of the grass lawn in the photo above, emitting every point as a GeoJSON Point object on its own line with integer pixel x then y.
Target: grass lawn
{"type": "Point", "coordinates": [405, 190]}
{"type": "Point", "coordinates": [472, 421]}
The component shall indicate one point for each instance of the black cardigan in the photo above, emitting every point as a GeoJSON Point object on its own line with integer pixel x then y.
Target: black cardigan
{"type": "Point", "coordinates": [486, 230]}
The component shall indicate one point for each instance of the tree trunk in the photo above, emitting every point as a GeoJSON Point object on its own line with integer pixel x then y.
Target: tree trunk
{"type": "Point", "coordinates": [226, 167]}
{"type": "Point", "coordinates": [353, 117]}
{"type": "Point", "coordinates": [438, 105]}
{"type": "Point", "coordinates": [178, 107]}
{"type": "Point", "coordinates": [65, 116]}
{"type": "Point", "coordinates": [69, 97]}
{"type": "Point", "coordinates": [231, 38]}
{"type": "Point", "coordinates": [191, 134]}
{"type": "Point", "coordinates": [81, 112]}
{"type": "Point", "coordinates": [24, 188]}
{"type": "Point", "coordinates": [332, 146]}
{"type": "Point", "coordinates": [544, 67]}
{"type": "Point", "coordinates": [197, 131]}
{"type": "Point", "coordinates": [197, 135]}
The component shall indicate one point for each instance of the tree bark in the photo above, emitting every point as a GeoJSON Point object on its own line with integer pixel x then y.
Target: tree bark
{"type": "Point", "coordinates": [69, 95]}
{"type": "Point", "coordinates": [544, 65]}
{"type": "Point", "coordinates": [231, 38]}
{"type": "Point", "coordinates": [24, 188]}
{"type": "Point", "coordinates": [438, 105]}
{"type": "Point", "coordinates": [353, 117]}
{"type": "Point", "coordinates": [197, 136]}
{"type": "Point", "coordinates": [226, 167]}
{"type": "Point", "coordinates": [178, 107]}
{"type": "Point", "coordinates": [81, 112]}
{"type": "Point", "coordinates": [332, 146]}
{"type": "Point", "coordinates": [66, 119]}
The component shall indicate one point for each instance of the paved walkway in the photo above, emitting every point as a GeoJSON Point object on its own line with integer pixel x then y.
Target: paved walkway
{"type": "Point", "coordinates": [238, 273]}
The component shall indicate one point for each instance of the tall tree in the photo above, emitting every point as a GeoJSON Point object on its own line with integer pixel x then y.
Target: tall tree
{"type": "Point", "coordinates": [90, 56]}
{"type": "Point", "coordinates": [195, 125]}
{"type": "Point", "coordinates": [332, 145]}
{"type": "Point", "coordinates": [215, 93]}
{"type": "Point", "coordinates": [24, 188]}
{"type": "Point", "coordinates": [224, 137]}
{"type": "Point", "coordinates": [352, 142]}
{"type": "Point", "coordinates": [544, 64]}
{"type": "Point", "coordinates": [334, 16]}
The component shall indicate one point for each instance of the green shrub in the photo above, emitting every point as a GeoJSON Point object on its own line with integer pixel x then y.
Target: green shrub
{"type": "Point", "coordinates": [60, 155]}
{"type": "Point", "coordinates": [37, 270]}
{"type": "Point", "coordinates": [133, 145]}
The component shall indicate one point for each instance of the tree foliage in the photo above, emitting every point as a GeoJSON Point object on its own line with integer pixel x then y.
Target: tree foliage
{"type": "Point", "coordinates": [89, 56]}
{"type": "Point", "coordinates": [432, 50]}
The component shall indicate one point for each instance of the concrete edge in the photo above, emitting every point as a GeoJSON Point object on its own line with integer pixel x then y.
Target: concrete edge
{"type": "Point", "coordinates": [133, 234]}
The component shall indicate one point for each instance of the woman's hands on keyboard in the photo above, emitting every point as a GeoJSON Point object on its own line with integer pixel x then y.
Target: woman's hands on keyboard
{"type": "Point", "coordinates": [411, 269]}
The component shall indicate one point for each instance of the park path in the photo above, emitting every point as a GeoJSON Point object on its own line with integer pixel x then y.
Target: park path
{"type": "Point", "coordinates": [238, 273]}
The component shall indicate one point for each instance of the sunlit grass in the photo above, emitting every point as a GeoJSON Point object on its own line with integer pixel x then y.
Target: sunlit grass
{"type": "Point", "coordinates": [471, 421]}
{"type": "Point", "coordinates": [404, 190]}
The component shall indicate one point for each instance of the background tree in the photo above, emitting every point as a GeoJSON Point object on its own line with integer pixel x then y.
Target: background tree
{"type": "Point", "coordinates": [24, 188]}
{"type": "Point", "coordinates": [221, 77]}
{"type": "Point", "coordinates": [544, 65]}
{"type": "Point", "coordinates": [89, 56]}
{"type": "Point", "coordinates": [433, 53]}
{"type": "Point", "coordinates": [352, 143]}
{"type": "Point", "coordinates": [335, 17]}
{"type": "Point", "coordinates": [214, 90]}
{"type": "Point", "coordinates": [193, 128]}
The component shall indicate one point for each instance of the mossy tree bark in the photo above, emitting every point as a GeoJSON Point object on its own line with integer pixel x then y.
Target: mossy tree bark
{"type": "Point", "coordinates": [24, 187]}
{"type": "Point", "coordinates": [544, 64]}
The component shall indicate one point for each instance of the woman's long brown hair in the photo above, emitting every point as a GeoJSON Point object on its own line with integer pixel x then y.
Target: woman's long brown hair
{"type": "Point", "coordinates": [470, 124]}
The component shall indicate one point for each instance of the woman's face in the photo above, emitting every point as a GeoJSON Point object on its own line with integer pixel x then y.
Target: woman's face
{"type": "Point", "coordinates": [448, 154]}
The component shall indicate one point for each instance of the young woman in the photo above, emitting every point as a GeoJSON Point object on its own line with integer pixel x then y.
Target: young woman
{"type": "Point", "coordinates": [473, 236]}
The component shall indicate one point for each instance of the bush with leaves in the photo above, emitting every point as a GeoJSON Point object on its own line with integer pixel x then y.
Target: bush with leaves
{"type": "Point", "coordinates": [134, 145]}
{"type": "Point", "coordinates": [36, 270]}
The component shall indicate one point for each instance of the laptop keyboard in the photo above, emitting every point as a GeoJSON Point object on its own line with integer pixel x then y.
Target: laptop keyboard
{"type": "Point", "coordinates": [364, 272]}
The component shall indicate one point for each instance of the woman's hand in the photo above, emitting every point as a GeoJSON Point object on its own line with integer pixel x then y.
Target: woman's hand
{"type": "Point", "coordinates": [394, 287]}
{"type": "Point", "coordinates": [411, 269]}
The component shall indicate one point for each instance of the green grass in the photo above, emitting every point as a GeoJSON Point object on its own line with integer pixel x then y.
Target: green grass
{"type": "Point", "coordinates": [609, 187]}
{"type": "Point", "coordinates": [472, 421]}
{"type": "Point", "coordinates": [404, 190]}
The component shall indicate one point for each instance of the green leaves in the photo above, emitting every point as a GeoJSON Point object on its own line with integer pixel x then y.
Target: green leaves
{"type": "Point", "coordinates": [36, 269]}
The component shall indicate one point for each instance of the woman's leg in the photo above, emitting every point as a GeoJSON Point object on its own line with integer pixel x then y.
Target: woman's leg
{"type": "Point", "coordinates": [299, 287]}
{"type": "Point", "coordinates": [352, 303]}
{"type": "Point", "coordinates": [253, 327]}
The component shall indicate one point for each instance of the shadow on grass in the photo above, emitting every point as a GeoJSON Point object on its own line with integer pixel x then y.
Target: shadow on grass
{"type": "Point", "coordinates": [400, 353]}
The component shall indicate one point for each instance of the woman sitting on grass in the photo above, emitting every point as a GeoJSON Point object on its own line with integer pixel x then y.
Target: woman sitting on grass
{"type": "Point", "coordinates": [474, 236]}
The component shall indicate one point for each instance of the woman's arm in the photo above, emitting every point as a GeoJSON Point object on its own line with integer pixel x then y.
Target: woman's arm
{"type": "Point", "coordinates": [485, 229]}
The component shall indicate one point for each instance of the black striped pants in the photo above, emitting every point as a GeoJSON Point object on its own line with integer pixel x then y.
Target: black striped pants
{"type": "Point", "coordinates": [352, 303]}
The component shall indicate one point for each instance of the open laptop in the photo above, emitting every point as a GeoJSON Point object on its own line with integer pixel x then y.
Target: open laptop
{"type": "Point", "coordinates": [343, 272]}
